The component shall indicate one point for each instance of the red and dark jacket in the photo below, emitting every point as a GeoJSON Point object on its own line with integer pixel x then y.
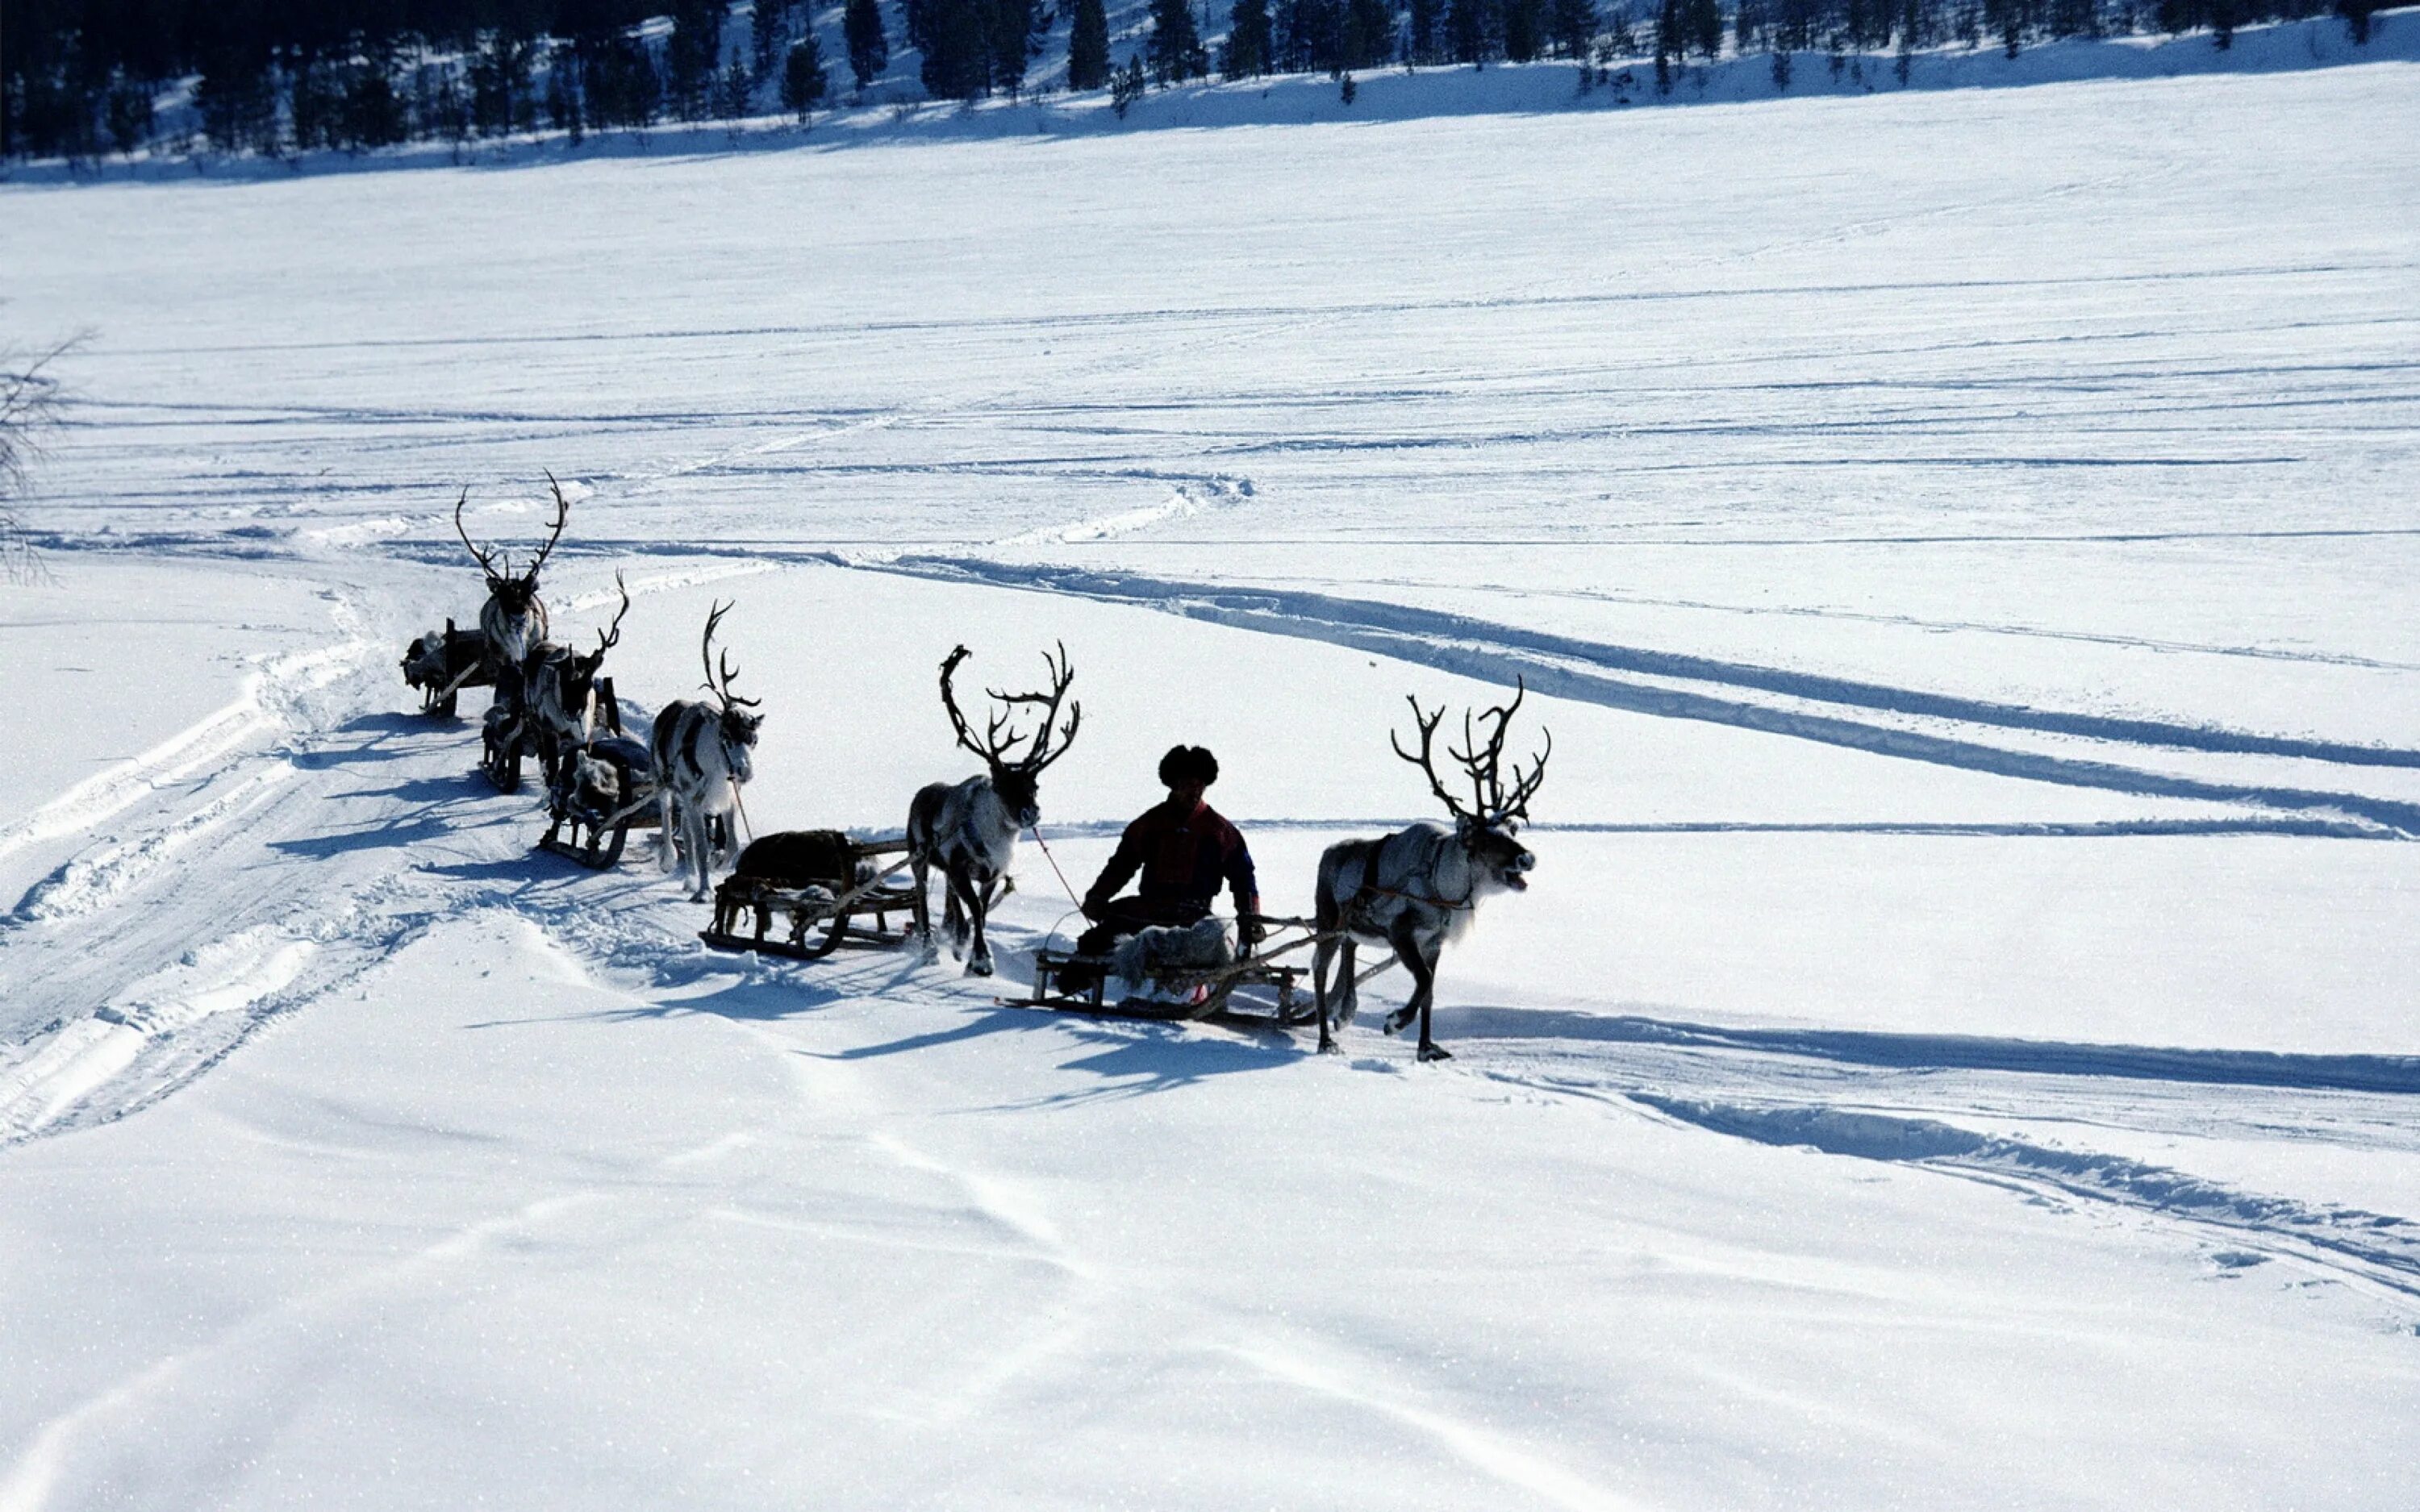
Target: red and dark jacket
{"type": "Point", "coordinates": [1183, 857]}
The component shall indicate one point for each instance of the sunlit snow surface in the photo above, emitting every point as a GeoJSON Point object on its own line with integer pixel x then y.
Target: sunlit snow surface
{"type": "Point", "coordinates": [1959, 1049]}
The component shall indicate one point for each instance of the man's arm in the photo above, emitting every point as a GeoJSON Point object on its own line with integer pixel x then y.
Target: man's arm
{"type": "Point", "coordinates": [1123, 863]}
{"type": "Point", "coordinates": [1245, 885]}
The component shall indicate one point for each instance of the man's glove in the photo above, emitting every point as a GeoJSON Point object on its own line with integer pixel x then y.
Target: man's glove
{"type": "Point", "coordinates": [1248, 932]}
{"type": "Point", "coordinates": [1094, 909]}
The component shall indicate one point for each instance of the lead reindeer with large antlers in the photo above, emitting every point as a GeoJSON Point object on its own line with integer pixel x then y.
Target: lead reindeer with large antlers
{"type": "Point", "coordinates": [969, 828]}
{"type": "Point", "coordinates": [702, 753]}
{"type": "Point", "coordinates": [514, 617]}
{"type": "Point", "coordinates": [1419, 887]}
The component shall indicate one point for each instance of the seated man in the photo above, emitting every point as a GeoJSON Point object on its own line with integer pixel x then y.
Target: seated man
{"type": "Point", "coordinates": [1184, 850]}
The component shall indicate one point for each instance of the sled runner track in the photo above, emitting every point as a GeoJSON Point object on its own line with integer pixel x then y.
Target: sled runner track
{"type": "Point", "coordinates": [2378, 1248]}
{"type": "Point", "coordinates": [2393, 1076]}
{"type": "Point", "coordinates": [1556, 666]}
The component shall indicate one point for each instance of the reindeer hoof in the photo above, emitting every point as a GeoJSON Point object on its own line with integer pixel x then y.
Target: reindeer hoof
{"type": "Point", "coordinates": [978, 968]}
{"type": "Point", "coordinates": [1435, 1052]}
{"type": "Point", "coordinates": [1396, 1020]}
{"type": "Point", "coordinates": [1329, 1047]}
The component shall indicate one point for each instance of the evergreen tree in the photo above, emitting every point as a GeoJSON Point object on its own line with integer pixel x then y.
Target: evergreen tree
{"type": "Point", "coordinates": [129, 115]}
{"type": "Point", "coordinates": [1176, 50]}
{"type": "Point", "coordinates": [563, 92]}
{"type": "Point", "coordinates": [619, 82]}
{"type": "Point", "coordinates": [957, 48]}
{"type": "Point", "coordinates": [374, 108]}
{"type": "Point", "coordinates": [1127, 86]}
{"type": "Point", "coordinates": [237, 106]}
{"type": "Point", "coordinates": [1421, 31]}
{"type": "Point", "coordinates": [1368, 34]}
{"type": "Point", "coordinates": [767, 24]}
{"type": "Point", "coordinates": [1088, 46]}
{"type": "Point", "coordinates": [1668, 42]}
{"type": "Point", "coordinates": [1703, 19]}
{"type": "Point", "coordinates": [1571, 23]}
{"type": "Point", "coordinates": [692, 55]}
{"type": "Point", "coordinates": [869, 50]}
{"type": "Point", "coordinates": [803, 85]}
{"type": "Point", "coordinates": [1011, 36]}
{"type": "Point", "coordinates": [1470, 31]}
{"type": "Point", "coordinates": [2356, 15]}
{"type": "Point", "coordinates": [1525, 25]}
{"type": "Point", "coordinates": [1246, 54]}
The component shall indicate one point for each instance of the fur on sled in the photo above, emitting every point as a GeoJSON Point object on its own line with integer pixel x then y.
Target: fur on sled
{"type": "Point", "coordinates": [1170, 950]}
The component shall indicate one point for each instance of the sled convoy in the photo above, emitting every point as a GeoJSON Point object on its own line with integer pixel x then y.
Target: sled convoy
{"type": "Point", "coordinates": [803, 894]}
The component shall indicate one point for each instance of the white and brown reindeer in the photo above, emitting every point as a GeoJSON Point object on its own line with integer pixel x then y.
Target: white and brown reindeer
{"type": "Point", "coordinates": [702, 753]}
{"type": "Point", "coordinates": [566, 704]}
{"type": "Point", "coordinates": [1419, 887]}
{"type": "Point", "coordinates": [969, 829]}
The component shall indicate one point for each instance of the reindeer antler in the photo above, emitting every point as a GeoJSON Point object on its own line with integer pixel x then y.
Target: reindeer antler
{"type": "Point", "coordinates": [486, 560]}
{"type": "Point", "coordinates": [1428, 724]}
{"type": "Point", "coordinates": [722, 689]}
{"type": "Point", "coordinates": [611, 636]}
{"type": "Point", "coordinates": [554, 531]}
{"type": "Point", "coordinates": [1062, 674]}
{"type": "Point", "coordinates": [1001, 735]}
{"type": "Point", "coordinates": [1491, 808]}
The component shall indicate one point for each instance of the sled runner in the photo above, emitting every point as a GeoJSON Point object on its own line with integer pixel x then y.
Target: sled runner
{"type": "Point", "coordinates": [816, 879]}
{"type": "Point", "coordinates": [604, 791]}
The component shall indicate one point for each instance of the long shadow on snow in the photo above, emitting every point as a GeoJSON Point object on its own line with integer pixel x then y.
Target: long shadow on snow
{"type": "Point", "coordinates": [2397, 1074]}
{"type": "Point", "coordinates": [1443, 641]}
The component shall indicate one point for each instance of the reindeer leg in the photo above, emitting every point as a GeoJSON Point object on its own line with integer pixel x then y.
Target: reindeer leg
{"type": "Point", "coordinates": [698, 820]}
{"type": "Point", "coordinates": [1322, 956]}
{"type": "Point", "coordinates": [1348, 984]}
{"type": "Point", "coordinates": [666, 842]}
{"type": "Point", "coordinates": [1404, 936]}
{"type": "Point", "coordinates": [1422, 963]}
{"type": "Point", "coordinates": [979, 962]}
{"type": "Point", "coordinates": [954, 918]}
{"type": "Point", "coordinates": [922, 907]}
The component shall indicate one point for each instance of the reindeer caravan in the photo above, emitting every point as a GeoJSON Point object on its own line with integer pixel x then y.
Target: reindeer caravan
{"type": "Point", "coordinates": [803, 894]}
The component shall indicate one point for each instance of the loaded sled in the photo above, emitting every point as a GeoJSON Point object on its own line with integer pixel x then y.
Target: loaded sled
{"type": "Point", "coordinates": [822, 884]}
{"type": "Point", "coordinates": [1183, 972]}
{"type": "Point", "coordinates": [602, 792]}
{"type": "Point", "coordinates": [442, 663]}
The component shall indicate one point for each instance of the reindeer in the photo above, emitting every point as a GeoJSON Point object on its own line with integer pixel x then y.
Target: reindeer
{"type": "Point", "coordinates": [1419, 887]}
{"type": "Point", "coordinates": [514, 617]}
{"type": "Point", "coordinates": [702, 754]}
{"type": "Point", "coordinates": [561, 687]}
{"type": "Point", "coordinates": [969, 828]}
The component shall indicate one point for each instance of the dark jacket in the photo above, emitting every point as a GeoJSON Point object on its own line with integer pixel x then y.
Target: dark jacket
{"type": "Point", "coordinates": [1183, 857]}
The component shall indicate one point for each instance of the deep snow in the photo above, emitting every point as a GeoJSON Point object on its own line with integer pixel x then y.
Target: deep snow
{"type": "Point", "coordinates": [1958, 1048]}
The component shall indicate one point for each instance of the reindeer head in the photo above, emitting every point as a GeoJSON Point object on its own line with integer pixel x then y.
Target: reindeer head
{"type": "Point", "coordinates": [1486, 827]}
{"type": "Point", "coordinates": [736, 726]}
{"type": "Point", "coordinates": [1017, 777]}
{"type": "Point", "coordinates": [514, 592]}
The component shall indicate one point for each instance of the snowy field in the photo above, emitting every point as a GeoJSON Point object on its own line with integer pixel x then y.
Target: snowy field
{"type": "Point", "coordinates": [1959, 1049]}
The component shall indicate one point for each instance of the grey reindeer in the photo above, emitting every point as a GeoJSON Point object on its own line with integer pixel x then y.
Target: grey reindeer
{"type": "Point", "coordinates": [1419, 887]}
{"type": "Point", "coordinates": [702, 753]}
{"type": "Point", "coordinates": [561, 685]}
{"type": "Point", "coordinates": [969, 829]}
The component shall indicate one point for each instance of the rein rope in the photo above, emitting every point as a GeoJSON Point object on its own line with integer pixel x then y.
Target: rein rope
{"type": "Point", "coordinates": [1036, 832]}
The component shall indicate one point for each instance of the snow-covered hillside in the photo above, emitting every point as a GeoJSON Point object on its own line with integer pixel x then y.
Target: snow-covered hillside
{"type": "Point", "coordinates": [1958, 1048]}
